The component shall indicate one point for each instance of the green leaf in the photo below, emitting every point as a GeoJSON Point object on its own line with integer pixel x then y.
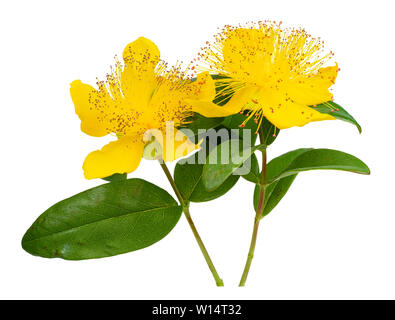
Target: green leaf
{"type": "Point", "coordinates": [273, 194]}
{"type": "Point", "coordinates": [116, 177]}
{"type": "Point", "coordinates": [219, 166]}
{"type": "Point", "coordinates": [254, 175]}
{"type": "Point", "coordinates": [282, 171]}
{"type": "Point", "coordinates": [278, 165]}
{"type": "Point", "coordinates": [187, 177]}
{"type": "Point", "coordinates": [313, 159]}
{"type": "Point", "coordinates": [270, 132]}
{"type": "Point", "coordinates": [336, 111]}
{"type": "Point", "coordinates": [110, 219]}
{"type": "Point", "coordinates": [197, 122]}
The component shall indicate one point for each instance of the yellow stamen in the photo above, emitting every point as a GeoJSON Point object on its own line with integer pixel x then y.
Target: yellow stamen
{"type": "Point", "coordinates": [285, 66]}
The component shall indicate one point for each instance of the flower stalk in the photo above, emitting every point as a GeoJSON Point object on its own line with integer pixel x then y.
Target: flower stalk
{"type": "Point", "coordinates": [187, 214]}
{"type": "Point", "coordinates": [258, 216]}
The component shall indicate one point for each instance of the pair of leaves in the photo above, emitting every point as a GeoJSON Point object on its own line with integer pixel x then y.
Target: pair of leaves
{"type": "Point", "coordinates": [111, 219]}
{"type": "Point", "coordinates": [282, 171]}
{"type": "Point", "coordinates": [214, 174]}
{"type": "Point", "coordinates": [188, 175]}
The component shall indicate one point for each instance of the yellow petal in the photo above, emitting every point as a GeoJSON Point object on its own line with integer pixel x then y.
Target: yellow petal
{"type": "Point", "coordinates": [235, 104]}
{"type": "Point", "coordinates": [89, 103]}
{"type": "Point", "coordinates": [121, 156]}
{"type": "Point", "coordinates": [177, 145]}
{"type": "Point", "coordinates": [208, 109]}
{"type": "Point", "coordinates": [138, 78]}
{"type": "Point", "coordinates": [240, 99]}
{"type": "Point", "coordinates": [206, 87]}
{"type": "Point", "coordinates": [172, 145]}
{"type": "Point", "coordinates": [290, 114]}
{"type": "Point", "coordinates": [142, 54]}
{"type": "Point", "coordinates": [314, 89]}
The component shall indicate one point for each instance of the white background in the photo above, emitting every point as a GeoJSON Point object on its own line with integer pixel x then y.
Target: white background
{"type": "Point", "coordinates": [332, 236]}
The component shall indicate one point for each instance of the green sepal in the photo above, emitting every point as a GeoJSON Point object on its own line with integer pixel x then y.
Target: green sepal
{"type": "Point", "coordinates": [337, 112]}
{"type": "Point", "coordinates": [269, 132]}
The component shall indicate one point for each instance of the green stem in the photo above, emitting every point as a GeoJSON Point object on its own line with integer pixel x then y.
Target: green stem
{"type": "Point", "coordinates": [187, 214]}
{"type": "Point", "coordinates": [258, 217]}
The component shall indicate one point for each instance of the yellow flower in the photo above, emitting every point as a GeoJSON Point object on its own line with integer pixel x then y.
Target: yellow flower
{"type": "Point", "coordinates": [138, 95]}
{"type": "Point", "coordinates": [273, 72]}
